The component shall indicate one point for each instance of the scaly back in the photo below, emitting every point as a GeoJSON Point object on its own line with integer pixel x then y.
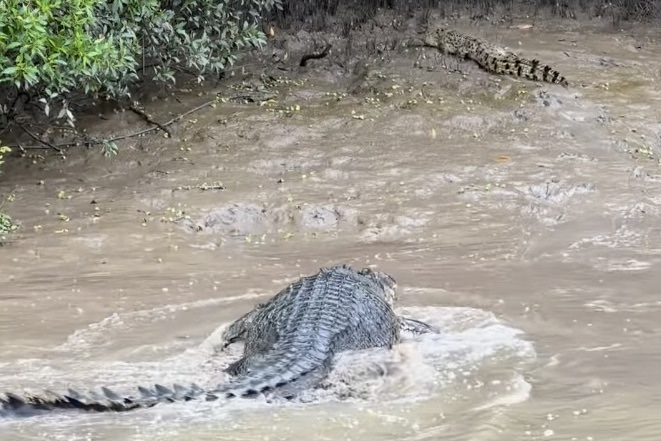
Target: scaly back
{"type": "Point", "coordinates": [490, 57]}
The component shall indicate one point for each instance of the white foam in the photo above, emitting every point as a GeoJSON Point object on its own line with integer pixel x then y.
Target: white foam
{"type": "Point", "coordinates": [96, 334]}
{"type": "Point", "coordinates": [454, 363]}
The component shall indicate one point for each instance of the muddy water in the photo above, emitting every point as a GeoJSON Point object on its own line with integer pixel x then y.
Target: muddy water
{"type": "Point", "coordinates": [523, 223]}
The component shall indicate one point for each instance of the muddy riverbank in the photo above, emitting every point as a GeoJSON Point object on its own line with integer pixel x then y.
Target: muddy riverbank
{"type": "Point", "coordinates": [523, 218]}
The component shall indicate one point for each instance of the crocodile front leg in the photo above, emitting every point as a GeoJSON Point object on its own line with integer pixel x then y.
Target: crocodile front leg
{"type": "Point", "coordinates": [417, 327]}
{"type": "Point", "coordinates": [239, 328]}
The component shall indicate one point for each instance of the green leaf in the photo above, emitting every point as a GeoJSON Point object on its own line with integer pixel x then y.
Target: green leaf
{"type": "Point", "coordinates": [11, 70]}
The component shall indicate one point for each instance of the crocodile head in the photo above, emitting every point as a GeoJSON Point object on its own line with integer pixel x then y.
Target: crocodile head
{"type": "Point", "coordinates": [385, 281]}
{"type": "Point", "coordinates": [433, 36]}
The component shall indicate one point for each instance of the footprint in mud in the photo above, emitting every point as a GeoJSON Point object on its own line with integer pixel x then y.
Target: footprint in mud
{"type": "Point", "coordinates": [554, 192]}
{"type": "Point", "coordinates": [313, 217]}
{"type": "Point", "coordinates": [232, 219]}
{"type": "Point", "coordinates": [472, 123]}
{"type": "Point", "coordinates": [547, 202]}
{"type": "Point", "coordinates": [390, 228]}
{"type": "Point", "coordinates": [242, 219]}
{"type": "Point", "coordinates": [546, 99]}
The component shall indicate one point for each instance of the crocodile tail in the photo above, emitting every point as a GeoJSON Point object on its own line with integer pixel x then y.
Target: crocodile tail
{"type": "Point", "coordinates": [278, 372]}
{"type": "Point", "coordinates": [106, 401]}
{"type": "Point", "coordinates": [530, 69]}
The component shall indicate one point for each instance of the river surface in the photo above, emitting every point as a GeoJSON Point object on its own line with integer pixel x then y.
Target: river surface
{"type": "Point", "coordinates": [521, 219]}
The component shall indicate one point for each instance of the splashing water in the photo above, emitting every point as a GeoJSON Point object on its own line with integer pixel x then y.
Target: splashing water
{"type": "Point", "coordinates": [433, 372]}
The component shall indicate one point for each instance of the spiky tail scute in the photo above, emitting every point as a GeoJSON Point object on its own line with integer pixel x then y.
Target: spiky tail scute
{"type": "Point", "coordinates": [522, 67]}
{"type": "Point", "coordinates": [107, 401]}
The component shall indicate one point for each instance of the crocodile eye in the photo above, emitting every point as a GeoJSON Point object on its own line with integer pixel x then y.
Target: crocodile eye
{"type": "Point", "coordinates": [366, 272]}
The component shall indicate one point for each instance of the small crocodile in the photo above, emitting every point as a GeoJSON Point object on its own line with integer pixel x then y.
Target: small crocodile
{"type": "Point", "coordinates": [490, 57]}
{"type": "Point", "coordinates": [290, 344]}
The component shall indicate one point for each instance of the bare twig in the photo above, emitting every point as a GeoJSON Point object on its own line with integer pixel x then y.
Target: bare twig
{"type": "Point", "coordinates": [170, 122]}
{"type": "Point", "coordinates": [147, 118]}
{"type": "Point", "coordinates": [91, 142]}
{"type": "Point", "coordinates": [193, 110]}
{"type": "Point", "coordinates": [36, 138]}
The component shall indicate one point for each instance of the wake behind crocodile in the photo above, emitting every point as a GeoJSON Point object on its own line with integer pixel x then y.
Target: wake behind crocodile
{"type": "Point", "coordinates": [473, 363]}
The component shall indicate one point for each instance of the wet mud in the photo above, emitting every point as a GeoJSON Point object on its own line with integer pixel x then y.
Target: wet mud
{"type": "Point", "coordinates": [522, 219]}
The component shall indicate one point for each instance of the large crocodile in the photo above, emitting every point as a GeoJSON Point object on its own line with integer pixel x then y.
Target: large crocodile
{"type": "Point", "coordinates": [290, 344]}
